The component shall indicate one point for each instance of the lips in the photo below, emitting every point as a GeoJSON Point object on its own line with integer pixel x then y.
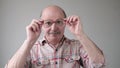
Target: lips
{"type": "Point", "coordinates": [54, 32]}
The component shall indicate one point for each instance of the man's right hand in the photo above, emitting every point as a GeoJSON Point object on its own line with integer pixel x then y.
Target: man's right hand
{"type": "Point", "coordinates": [33, 30]}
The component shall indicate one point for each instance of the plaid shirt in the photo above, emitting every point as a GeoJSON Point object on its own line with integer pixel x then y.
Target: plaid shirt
{"type": "Point", "coordinates": [68, 54]}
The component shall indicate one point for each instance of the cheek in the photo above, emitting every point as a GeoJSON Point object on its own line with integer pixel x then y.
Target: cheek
{"type": "Point", "coordinates": [45, 30]}
{"type": "Point", "coordinates": [62, 30]}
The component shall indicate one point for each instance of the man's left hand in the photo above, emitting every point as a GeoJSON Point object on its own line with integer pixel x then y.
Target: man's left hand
{"type": "Point", "coordinates": [74, 24]}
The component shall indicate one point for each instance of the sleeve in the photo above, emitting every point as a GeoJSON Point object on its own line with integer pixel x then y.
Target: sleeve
{"type": "Point", "coordinates": [26, 65]}
{"type": "Point", "coordinates": [86, 61]}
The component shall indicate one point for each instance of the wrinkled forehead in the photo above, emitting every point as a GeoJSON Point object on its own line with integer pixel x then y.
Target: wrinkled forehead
{"type": "Point", "coordinates": [52, 12]}
{"type": "Point", "coordinates": [57, 20]}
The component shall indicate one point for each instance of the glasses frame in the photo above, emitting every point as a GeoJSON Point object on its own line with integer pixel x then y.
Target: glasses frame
{"type": "Point", "coordinates": [49, 22]}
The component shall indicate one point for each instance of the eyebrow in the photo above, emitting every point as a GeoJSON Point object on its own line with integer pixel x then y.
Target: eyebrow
{"type": "Point", "coordinates": [55, 20]}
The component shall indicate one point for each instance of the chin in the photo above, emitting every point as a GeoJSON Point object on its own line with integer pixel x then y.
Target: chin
{"type": "Point", "coordinates": [54, 36]}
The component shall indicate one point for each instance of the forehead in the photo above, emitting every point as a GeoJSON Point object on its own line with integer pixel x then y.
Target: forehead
{"type": "Point", "coordinates": [52, 13]}
{"type": "Point", "coordinates": [57, 20]}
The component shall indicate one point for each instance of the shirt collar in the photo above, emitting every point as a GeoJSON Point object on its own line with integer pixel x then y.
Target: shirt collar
{"type": "Point", "coordinates": [44, 41]}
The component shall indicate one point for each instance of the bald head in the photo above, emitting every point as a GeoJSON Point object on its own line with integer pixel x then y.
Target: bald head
{"type": "Point", "coordinates": [53, 11]}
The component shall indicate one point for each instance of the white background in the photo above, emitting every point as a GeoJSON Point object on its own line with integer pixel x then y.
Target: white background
{"type": "Point", "coordinates": [100, 19]}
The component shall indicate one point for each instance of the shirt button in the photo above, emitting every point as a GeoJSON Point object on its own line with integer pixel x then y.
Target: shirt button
{"type": "Point", "coordinates": [56, 50]}
{"type": "Point", "coordinates": [56, 62]}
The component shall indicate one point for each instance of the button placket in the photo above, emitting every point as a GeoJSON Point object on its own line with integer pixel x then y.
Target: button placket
{"type": "Point", "coordinates": [56, 50]}
{"type": "Point", "coordinates": [56, 62]}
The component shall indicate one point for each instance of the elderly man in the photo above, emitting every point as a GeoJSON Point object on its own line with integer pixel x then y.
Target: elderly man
{"type": "Point", "coordinates": [55, 50]}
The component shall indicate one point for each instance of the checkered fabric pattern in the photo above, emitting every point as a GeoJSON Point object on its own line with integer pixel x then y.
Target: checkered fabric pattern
{"type": "Point", "coordinates": [66, 55]}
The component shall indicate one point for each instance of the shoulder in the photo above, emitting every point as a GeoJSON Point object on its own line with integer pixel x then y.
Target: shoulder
{"type": "Point", "coordinates": [36, 46]}
{"type": "Point", "coordinates": [72, 42]}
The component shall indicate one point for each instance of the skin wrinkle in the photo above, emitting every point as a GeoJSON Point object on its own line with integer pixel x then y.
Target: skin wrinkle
{"type": "Point", "coordinates": [63, 12]}
{"type": "Point", "coordinates": [53, 39]}
{"type": "Point", "coordinates": [53, 33]}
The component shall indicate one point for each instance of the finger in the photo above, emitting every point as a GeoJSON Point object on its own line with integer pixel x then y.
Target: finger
{"type": "Point", "coordinates": [67, 21]}
{"type": "Point", "coordinates": [71, 22]}
{"type": "Point", "coordinates": [33, 27]}
{"type": "Point", "coordinates": [36, 24]}
{"type": "Point", "coordinates": [40, 21]}
{"type": "Point", "coordinates": [35, 20]}
{"type": "Point", "coordinates": [71, 19]}
{"type": "Point", "coordinates": [28, 28]}
{"type": "Point", "coordinates": [74, 19]}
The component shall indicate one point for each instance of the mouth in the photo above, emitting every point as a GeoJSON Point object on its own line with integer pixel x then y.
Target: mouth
{"type": "Point", "coordinates": [54, 32]}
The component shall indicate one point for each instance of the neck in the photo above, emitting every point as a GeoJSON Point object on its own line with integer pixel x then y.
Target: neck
{"type": "Point", "coordinates": [53, 41]}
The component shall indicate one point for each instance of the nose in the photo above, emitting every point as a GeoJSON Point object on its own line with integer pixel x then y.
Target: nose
{"type": "Point", "coordinates": [54, 26]}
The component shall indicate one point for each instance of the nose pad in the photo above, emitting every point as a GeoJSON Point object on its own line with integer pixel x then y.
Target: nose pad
{"type": "Point", "coordinates": [53, 26]}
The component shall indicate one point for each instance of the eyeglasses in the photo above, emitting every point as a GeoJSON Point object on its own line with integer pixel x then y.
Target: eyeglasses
{"type": "Point", "coordinates": [58, 22]}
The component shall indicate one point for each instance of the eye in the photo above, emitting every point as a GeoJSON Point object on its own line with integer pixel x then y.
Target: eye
{"type": "Point", "coordinates": [48, 23]}
{"type": "Point", "coordinates": [59, 22]}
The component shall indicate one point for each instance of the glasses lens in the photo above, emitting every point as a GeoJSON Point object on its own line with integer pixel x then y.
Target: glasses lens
{"type": "Point", "coordinates": [59, 22]}
{"type": "Point", "coordinates": [47, 23]}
